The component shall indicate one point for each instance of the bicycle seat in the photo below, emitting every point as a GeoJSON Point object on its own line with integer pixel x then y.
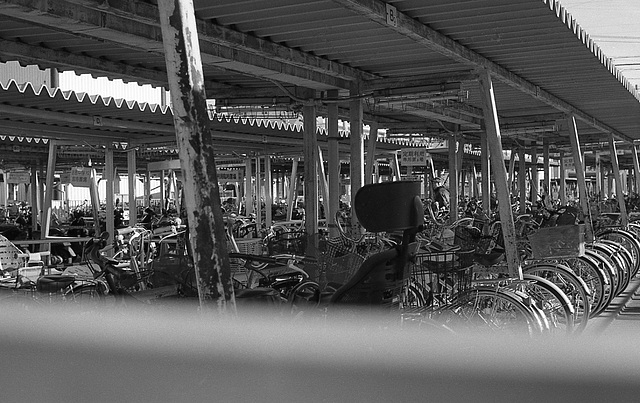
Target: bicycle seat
{"type": "Point", "coordinates": [389, 206]}
{"type": "Point", "coordinates": [54, 282]}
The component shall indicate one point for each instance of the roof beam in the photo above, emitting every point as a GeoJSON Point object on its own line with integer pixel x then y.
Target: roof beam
{"type": "Point", "coordinates": [137, 26]}
{"type": "Point", "coordinates": [375, 10]}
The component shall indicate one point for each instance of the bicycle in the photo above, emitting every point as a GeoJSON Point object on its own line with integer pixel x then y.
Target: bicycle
{"type": "Point", "coordinates": [46, 289]}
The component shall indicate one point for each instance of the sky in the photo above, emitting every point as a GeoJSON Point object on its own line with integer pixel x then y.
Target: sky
{"type": "Point", "coordinates": [615, 27]}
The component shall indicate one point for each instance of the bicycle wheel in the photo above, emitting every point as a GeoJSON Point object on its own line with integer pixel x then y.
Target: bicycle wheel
{"type": "Point", "coordinates": [626, 256]}
{"type": "Point", "coordinates": [627, 238]}
{"type": "Point", "coordinates": [304, 297]}
{"type": "Point", "coordinates": [570, 284]}
{"type": "Point", "coordinates": [554, 304]}
{"type": "Point", "coordinates": [489, 309]}
{"type": "Point", "coordinates": [616, 258]}
{"type": "Point", "coordinates": [613, 264]}
{"type": "Point", "coordinates": [610, 273]}
{"type": "Point", "coordinates": [595, 278]}
{"type": "Point", "coordinates": [87, 297]}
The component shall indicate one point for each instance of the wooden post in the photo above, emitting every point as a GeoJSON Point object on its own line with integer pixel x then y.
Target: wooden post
{"type": "Point", "coordinates": [512, 169]}
{"type": "Point", "coordinates": [624, 219]}
{"type": "Point", "coordinates": [636, 167]}
{"type": "Point", "coordinates": [323, 184]}
{"type": "Point", "coordinates": [546, 168]}
{"type": "Point", "coordinates": [147, 189]}
{"type": "Point", "coordinates": [395, 167]}
{"type": "Point", "coordinates": [333, 163]}
{"type": "Point", "coordinates": [45, 219]}
{"type": "Point", "coordinates": [534, 174]}
{"type": "Point", "coordinates": [310, 152]}
{"type": "Point", "coordinates": [522, 180]}
{"type": "Point", "coordinates": [248, 192]}
{"type": "Point", "coordinates": [35, 191]}
{"type": "Point", "coordinates": [108, 176]}
{"type": "Point", "coordinates": [485, 173]}
{"type": "Point", "coordinates": [580, 176]}
{"type": "Point", "coordinates": [454, 172]}
{"type": "Point", "coordinates": [133, 181]}
{"type": "Point", "coordinates": [500, 175]}
{"type": "Point", "coordinates": [371, 152]}
{"type": "Point", "coordinates": [258, 192]}
{"type": "Point", "coordinates": [293, 185]}
{"type": "Point", "coordinates": [95, 201]}
{"type": "Point", "coordinates": [195, 145]}
{"type": "Point", "coordinates": [268, 192]}
{"type": "Point", "coordinates": [563, 181]}
{"type": "Point", "coordinates": [356, 140]}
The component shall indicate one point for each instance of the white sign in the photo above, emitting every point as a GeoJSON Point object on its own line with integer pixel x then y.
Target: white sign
{"type": "Point", "coordinates": [18, 177]}
{"type": "Point", "coordinates": [392, 15]}
{"type": "Point", "coordinates": [414, 157]}
{"type": "Point", "coordinates": [65, 178]}
{"type": "Point", "coordinates": [228, 176]}
{"type": "Point", "coordinates": [567, 163]}
{"type": "Point", "coordinates": [80, 177]}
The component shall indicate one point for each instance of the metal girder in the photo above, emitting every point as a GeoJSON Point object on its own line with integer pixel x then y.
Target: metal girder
{"type": "Point", "coordinates": [136, 25]}
{"type": "Point", "coordinates": [376, 11]}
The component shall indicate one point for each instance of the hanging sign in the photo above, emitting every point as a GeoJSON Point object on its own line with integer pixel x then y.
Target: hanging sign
{"type": "Point", "coordinates": [18, 177]}
{"type": "Point", "coordinates": [228, 176]}
{"type": "Point", "coordinates": [567, 163]}
{"type": "Point", "coordinates": [414, 157]}
{"type": "Point", "coordinates": [65, 178]}
{"type": "Point", "coordinates": [80, 177]}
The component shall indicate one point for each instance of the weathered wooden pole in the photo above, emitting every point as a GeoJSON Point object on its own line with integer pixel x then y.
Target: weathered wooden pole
{"type": "Point", "coordinates": [636, 167]}
{"type": "Point", "coordinates": [45, 219]}
{"type": "Point", "coordinates": [500, 174]}
{"type": "Point", "coordinates": [485, 172]}
{"type": "Point", "coordinates": [333, 164]}
{"type": "Point", "coordinates": [454, 171]}
{"type": "Point", "coordinates": [580, 176]}
{"type": "Point", "coordinates": [624, 219]}
{"type": "Point", "coordinates": [133, 181]}
{"type": "Point", "coordinates": [356, 142]}
{"type": "Point", "coordinates": [522, 180]}
{"type": "Point", "coordinates": [371, 152]}
{"type": "Point", "coordinates": [562, 196]}
{"type": "Point", "coordinates": [196, 151]}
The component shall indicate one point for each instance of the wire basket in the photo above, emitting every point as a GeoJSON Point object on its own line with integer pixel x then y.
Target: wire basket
{"type": "Point", "coordinates": [251, 246]}
{"type": "Point", "coordinates": [437, 276]}
{"type": "Point", "coordinates": [289, 242]}
{"type": "Point", "coordinates": [337, 261]}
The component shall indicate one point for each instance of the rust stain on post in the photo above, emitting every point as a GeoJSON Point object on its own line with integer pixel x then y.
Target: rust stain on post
{"type": "Point", "coordinates": [191, 121]}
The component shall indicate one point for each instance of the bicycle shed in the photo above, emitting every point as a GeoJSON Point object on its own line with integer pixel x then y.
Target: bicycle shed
{"type": "Point", "coordinates": [415, 31]}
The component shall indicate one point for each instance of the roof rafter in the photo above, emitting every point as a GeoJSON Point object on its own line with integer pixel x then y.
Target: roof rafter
{"type": "Point", "coordinates": [137, 26]}
{"type": "Point", "coordinates": [375, 10]}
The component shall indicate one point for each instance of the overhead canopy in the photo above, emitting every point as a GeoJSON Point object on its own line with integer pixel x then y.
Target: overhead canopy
{"type": "Point", "coordinates": [414, 65]}
{"type": "Point", "coordinates": [83, 124]}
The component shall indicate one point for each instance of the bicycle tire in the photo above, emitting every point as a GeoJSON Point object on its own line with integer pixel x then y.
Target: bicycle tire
{"type": "Point", "coordinates": [303, 297]}
{"type": "Point", "coordinates": [609, 271]}
{"type": "Point", "coordinates": [628, 238]}
{"type": "Point", "coordinates": [598, 281]}
{"type": "Point", "coordinates": [489, 308]}
{"type": "Point", "coordinates": [614, 266]}
{"type": "Point", "coordinates": [554, 303]}
{"type": "Point", "coordinates": [626, 256]}
{"type": "Point", "coordinates": [573, 286]}
{"type": "Point", "coordinates": [620, 262]}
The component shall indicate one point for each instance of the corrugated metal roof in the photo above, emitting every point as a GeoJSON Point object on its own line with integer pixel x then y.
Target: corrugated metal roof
{"type": "Point", "coordinates": [84, 123]}
{"type": "Point", "coordinates": [544, 64]}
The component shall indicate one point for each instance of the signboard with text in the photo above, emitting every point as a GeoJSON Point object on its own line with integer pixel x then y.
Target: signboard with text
{"type": "Point", "coordinates": [414, 157]}
{"type": "Point", "coordinates": [18, 177]}
{"type": "Point", "coordinates": [228, 176]}
{"type": "Point", "coordinates": [80, 177]}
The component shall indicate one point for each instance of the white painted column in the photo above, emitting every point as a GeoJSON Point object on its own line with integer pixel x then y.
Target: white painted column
{"type": "Point", "coordinates": [494, 141]}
